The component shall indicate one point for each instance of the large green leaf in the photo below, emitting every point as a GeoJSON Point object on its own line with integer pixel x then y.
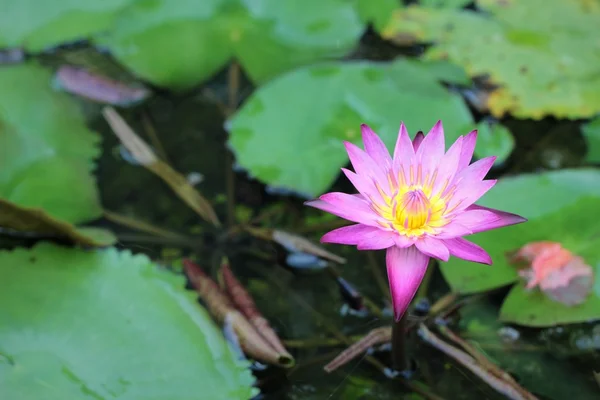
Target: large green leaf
{"type": "Point", "coordinates": [295, 141]}
{"type": "Point", "coordinates": [46, 151]}
{"type": "Point", "coordinates": [536, 51]}
{"type": "Point", "coordinates": [376, 12]}
{"type": "Point", "coordinates": [591, 132]}
{"type": "Point", "coordinates": [552, 202]}
{"type": "Point", "coordinates": [181, 43]}
{"type": "Point", "coordinates": [107, 324]}
{"type": "Point", "coordinates": [36, 25]}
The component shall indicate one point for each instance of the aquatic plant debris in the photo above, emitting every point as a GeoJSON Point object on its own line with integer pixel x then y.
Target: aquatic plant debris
{"type": "Point", "coordinates": [143, 154]}
{"type": "Point", "coordinates": [244, 302]}
{"type": "Point", "coordinates": [225, 310]}
{"type": "Point", "coordinates": [560, 274]}
{"type": "Point", "coordinates": [81, 82]}
{"type": "Point", "coordinates": [417, 204]}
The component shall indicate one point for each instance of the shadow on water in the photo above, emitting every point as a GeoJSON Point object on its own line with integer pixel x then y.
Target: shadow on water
{"type": "Point", "coordinates": [191, 134]}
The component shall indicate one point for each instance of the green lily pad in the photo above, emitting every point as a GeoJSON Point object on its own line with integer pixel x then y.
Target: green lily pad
{"type": "Point", "coordinates": [534, 308]}
{"type": "Point", "coordinates": [445, 3]}
{"type": "Point", "coordinates": [180, 44]}
{"type": "Point", "coordinates": [295, 142]}
{"type": "Point", "coordinates": [37, 25]}
{"type": "Point", "coordinates": [551, 202]}
{"type": "Point", "coordinates": [591, 132]}
{"type": "Point", "coordinates": [107, 324]}
{"type": "Point", "coordinates": [46, 150]}
{"type": "Point", "coordinates": [376, 12]}
{"type": "Point", "coordinates": [539, 58]}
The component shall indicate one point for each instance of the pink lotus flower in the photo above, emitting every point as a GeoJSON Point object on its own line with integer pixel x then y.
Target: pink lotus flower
{"type": "Point", "coordinates": [417, 205]}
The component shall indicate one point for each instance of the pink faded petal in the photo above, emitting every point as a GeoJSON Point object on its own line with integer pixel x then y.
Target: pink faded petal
{"type": "Point", "coordinates": [418, 140]}
{"type": "Point", "coordinates": [403, 152]}
{"type": "Point", "coordinates": [501, 219]}
{"type": "Point", "coordinates": [466, 250]}
{"type": "Point", "coordinates": [433, 248]}
{"type": "Point", "coordinates": [432, 148]}
{"type": "Point", "coordinates": [447, 166]}
{"type": "Point", "coordinates": [348, 234]}
{"type": "Point", "coordinates": [467, 149]}
{"type": "Point", "coordinates": [376, 240]}
{"type": "Point", "coordinates": [348, 207]}
{"type": "Point", "coordinates": [375, 147]}
{"type": "Point", "coordinates": [405, 269]}
{"type": "Point", "coordinates": [466, 195]}
{"type": "Point", "coordinates": [364, 185]}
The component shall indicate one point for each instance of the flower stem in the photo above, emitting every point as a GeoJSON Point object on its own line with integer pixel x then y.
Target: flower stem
{"type": "Point", "coordinates": [399, 355]}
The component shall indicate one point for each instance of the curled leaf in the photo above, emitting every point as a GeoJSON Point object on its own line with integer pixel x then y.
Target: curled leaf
{"type": "Point", "coordinates": [143, 154]}
{"type": "Point", "coordinates": [373, 338]}
{"type": "Point", "coordinates": [561, 275]}
{"type": "Point", "coordinates": [245, 304]}
{"type": "Point", "coordinates": [223, 310]}
{"type": "Point", "coordinates": [37, 222]}
{"type": "Point", "coordinates": [98, 88]}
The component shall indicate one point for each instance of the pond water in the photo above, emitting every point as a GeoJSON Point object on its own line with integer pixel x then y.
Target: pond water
{"type": "Point", "coordinates": [314, 312]}
{"type": "Point", "coordinates": [305, 305]}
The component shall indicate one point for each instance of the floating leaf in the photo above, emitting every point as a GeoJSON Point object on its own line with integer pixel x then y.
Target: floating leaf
{"type": "Point", "coordinates": [180, 44]}
{"type": "Point", "coordinates": [377, 12]}
{"type": "Point", "coordinates": [62, 308]}
{"type": "Point", "coordinates": [295, 142]}
{"type": "Point", "coordinates": [534, 308]}
{"type": "Point", "coordinates": [95, 87]}
{"type": "Point", "coordinates": [571, 226]}
{"type": "Point", "coordinates": [222, 308]}
{"type": "Point", "coordinates": [536, 197]}
{"type": "Point", "coordinates": [46, 151]}
{"type": "Point", "coordinates": [38, 222]}
{"type": "Point", "coordinates": [445, 3]}
{"type": "Point", "coordinates": [591, 132]}
{"type": "Point", "coordinates": [532, 50]}
{"type": "Point", "coordinates": [38, 25]}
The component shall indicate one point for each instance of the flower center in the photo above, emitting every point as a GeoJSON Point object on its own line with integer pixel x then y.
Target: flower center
{"type": "Point", "coordinates": [413, 211]}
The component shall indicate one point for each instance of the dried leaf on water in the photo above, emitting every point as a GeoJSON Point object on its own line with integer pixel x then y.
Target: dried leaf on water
{"type": "Point", "coordinates": [98, 88]}
{"type": "Point", "coordinates": [295, 243]}
{"type": "Point", "coordinates": [376, 336]}
{"type": "Point", "coordinates": [223, 310]}
{"type": "Point", "coordinates": [39, 223]}
{"type": "Point", "coordinates": [143, 154]}
{"type": "Point", "coordinates": [245, 304]}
